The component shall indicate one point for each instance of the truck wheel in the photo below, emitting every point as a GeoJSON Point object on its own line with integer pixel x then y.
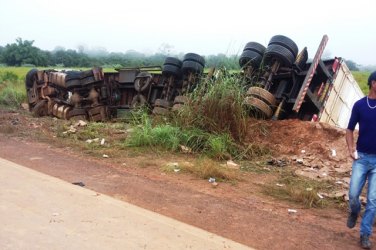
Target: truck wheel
{"type": "Point", "coordinates": [250, 58]}
{"type": "Point", "coordinates": [195, 58]}
{"type": "Point", "coordinates": [142, 81]}
{"type": "Point", "coordinates": [31, 77]}
{"type": "Point", "coordinates": [168, 69]}
{"type": "Point", "coordinates": [74, 83]}
{"type": "Point", "coordinates": [192, 66]}
{"type": "Point", "coordinates": [40, 109]}
{"type": "Point", "coordinates": [73, 75]}
{"type": "Point", "coordinates": [283, 55]}
{"type": "Point", "coordinates": [286, 42]}
{"type": "Point", "coordinates": [256, 47]}
{"type": "Point", "coordinates": [260, 107]}
{"type": "Point", "coordinates": [173, 61]}
{"type": "Point", "coordinates": [138, 101]}
{"type": "Point", "coordinates": [262, 94]}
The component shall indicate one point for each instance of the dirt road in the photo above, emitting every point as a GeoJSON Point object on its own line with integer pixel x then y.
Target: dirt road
{"type": "Point", "coordinates": [232, 211]}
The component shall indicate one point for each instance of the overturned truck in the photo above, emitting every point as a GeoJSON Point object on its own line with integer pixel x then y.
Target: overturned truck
{"type": "Point", "coordinates": [281, 83]}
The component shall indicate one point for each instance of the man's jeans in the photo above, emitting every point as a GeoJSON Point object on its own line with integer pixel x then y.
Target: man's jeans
{"type": "Point", "coordinates": [363, 168]}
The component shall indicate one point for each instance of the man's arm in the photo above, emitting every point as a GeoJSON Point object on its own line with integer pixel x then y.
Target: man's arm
{"type": "Point", "coordinates": [350, 143]}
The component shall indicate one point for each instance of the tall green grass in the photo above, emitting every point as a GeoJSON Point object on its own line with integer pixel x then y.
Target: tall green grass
{"type": "Point", "coordinates": [361, 77]}
{"type": "Point", "coordinates": [12, 89]}
{"type": "Point", "coordinates": [216, 106]}
{"type": "Point", "coordinates": [213, 122]}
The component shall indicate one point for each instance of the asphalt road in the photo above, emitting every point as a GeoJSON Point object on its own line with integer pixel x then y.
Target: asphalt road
{"type": "Point", "coordinates": [38, 211]}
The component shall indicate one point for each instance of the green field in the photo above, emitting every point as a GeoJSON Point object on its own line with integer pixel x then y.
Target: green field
{"type": "Point", "coordinates": [361, 77]}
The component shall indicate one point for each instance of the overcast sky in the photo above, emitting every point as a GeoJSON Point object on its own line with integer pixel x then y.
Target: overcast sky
{"type": "Point", "coordinates": [203, 27]}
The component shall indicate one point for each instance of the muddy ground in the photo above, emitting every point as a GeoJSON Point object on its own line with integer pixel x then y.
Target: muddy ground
{"type": "Point", "coordinates": [239, 210]}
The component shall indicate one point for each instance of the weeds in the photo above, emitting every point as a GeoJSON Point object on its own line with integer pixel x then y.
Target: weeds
{"type": "Point", "coordinates": [206, 168]}
{"type": "Point", "coordinates": [217, 107]}
{"type": "Point", "coordinates": [299, 190]}
{"type": "Point", "coordinates": [12, 90]}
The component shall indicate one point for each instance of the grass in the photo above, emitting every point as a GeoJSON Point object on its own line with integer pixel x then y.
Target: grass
{"type": "Point", "coordinates": [204, 168]}
{"type": "Point", "coordinates": [361, 77]}
{"type": "Point", "coordinates": [12, 89]}
{"type": "Point", "coordinates": [299, 190]}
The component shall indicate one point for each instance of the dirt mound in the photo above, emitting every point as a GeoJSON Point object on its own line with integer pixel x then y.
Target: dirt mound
{"type": "Point", "coordinates": [312, 149]}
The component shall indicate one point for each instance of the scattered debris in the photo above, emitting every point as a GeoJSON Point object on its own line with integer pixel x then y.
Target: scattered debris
{"type": "Point", "coordinates": [211, 180]}
{"type": "Point", "coordinates": [35, 158]}
{"type": "Point", "coordinates": [280, 185]}
{"type": "Point", "coordinates": [292, 211]}
{"type": "Point", "coordinates": [232, 165]}
{"type": "Point", "coordinates": [102, 141]}
{"type": "Point", "coordinates": [303, 151]}
{"type": "Point", "coordinates": [320, 196]}
{"type": "Point", "coordinates": [334, 153]}
{"type": "Point", "coordinates": [278, 162]}
{"type": "Point", "coordinates": [185, 149]}
{"type": "Point", "coordinates": [25, 106]}
{"type": "Point", "coordinates": [105, 156]}
{"type": "Point", "coordinates": [80, 123]}
{"type": "Point", "coordinates": [80, 183]}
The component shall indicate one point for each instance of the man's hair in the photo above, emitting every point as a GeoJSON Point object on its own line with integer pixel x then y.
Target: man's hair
{"type": "Point", "coordinates": [372, 77]}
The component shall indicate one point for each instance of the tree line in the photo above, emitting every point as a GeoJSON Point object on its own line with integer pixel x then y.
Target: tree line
{"type": "Point", "coordinates": [24, 53]}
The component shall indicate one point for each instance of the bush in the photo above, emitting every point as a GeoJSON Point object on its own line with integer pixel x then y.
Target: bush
{"type": "Point", "coordinates": [12, 90]}
{"type": "Point", "coordinates": [217, 107]}
{"type": "Point", "coordinates": [213, 122]}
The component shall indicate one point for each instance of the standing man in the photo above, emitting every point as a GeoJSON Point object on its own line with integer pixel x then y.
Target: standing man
{"type": "Point", "coordinates": [364, 165]}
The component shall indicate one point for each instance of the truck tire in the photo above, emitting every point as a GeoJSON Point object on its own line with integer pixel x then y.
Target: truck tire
{"type": "Point", "coordinates": [250, 58]}
{"type": "Point", "coordinates": [168, 69]}
{"type": "Point", "coordinates": [262, 94]}
{"type": "Point", "coordinates": [74, 83]}
{"type": "Point", "coordinates": [173, 61]}
{"type": "Point", "coordinates": [138, 101]}
{"type": "Point", "coordinates": [286, 42]}
{"type": "Point", "coordinates": [31, 77]}
{"type": "Point", "coordinates": [40, 109]}
{"type": "Point", "coordinates": [192, 66]}
{"type": "Point", "coordinates": [256, 47]}
{"type": "Point", "coordinates": [142, 81]}
{"type": "Point", "coordinates": [195, 58]}
{"type": "Point", "coordinates": [73, 75]}
{"type": "Point", "coordinates": [283, 55]}
{"type": "Point", "coordinates": [259, 106]}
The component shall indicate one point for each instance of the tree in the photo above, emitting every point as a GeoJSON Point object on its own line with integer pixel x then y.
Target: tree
{"type": "Point", "coordinates": [23, 52]}
{"type": "Point", "coordinates": [352, 65]}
